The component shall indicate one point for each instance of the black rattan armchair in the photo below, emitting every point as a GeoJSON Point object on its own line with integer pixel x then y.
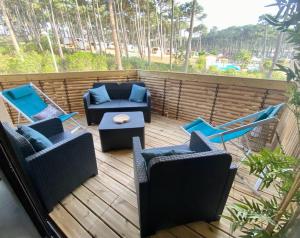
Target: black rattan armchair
{"type": "Point", "coordinates": [55, 171]}
{"type": "Point", "coordinates": [178, 189]}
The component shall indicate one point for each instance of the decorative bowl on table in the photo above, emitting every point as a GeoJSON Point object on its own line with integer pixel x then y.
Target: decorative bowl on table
{"type": "Point", "coordinates": [121, 118]}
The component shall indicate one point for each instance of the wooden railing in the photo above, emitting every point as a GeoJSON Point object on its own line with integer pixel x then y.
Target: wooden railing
{"type": "Point", "coordinates": [66, 89]}
{"type": "Point", "coordinates": [287, 134]}
{"type": "Point", "coordinates": [217, 99]}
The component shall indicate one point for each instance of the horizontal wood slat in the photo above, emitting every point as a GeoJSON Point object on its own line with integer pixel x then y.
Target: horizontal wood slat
{"type": "Point", "coordinates": [66, 89]}
{"type": "Point", "coordinates": [217, 99]}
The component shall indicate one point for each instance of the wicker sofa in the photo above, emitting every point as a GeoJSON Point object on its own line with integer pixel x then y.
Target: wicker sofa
{"type": "Point", "coordinates": [119, 94]}
{"type": "Point", "coordinates": [54, 172]}
{"type": "Point", "coordinates": [178, 189]}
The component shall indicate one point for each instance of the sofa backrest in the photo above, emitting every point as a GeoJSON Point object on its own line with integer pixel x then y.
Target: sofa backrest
{"type": "Point", "coordinates": [197, 182]}
{"type": "Point", "coordinates": [118, 90]}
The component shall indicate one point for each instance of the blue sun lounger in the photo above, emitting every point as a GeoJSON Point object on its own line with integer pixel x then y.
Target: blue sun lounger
{"type": "Point", "coordinates": [233, 129]}
{"type": "Point", "coordinates": [28, 101]}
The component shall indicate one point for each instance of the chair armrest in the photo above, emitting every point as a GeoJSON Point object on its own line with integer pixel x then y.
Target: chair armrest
{"type": "Point", "coordinates": [200, 143]}
{"type": "Point", "coordinates": [148, 97]}
{"type": "Point", "coordinates": [140, 168]}
{"type": "Point", "coordinates": [59, 169]}
{"type": "Point", "coordinates": [231, 175]}
{"type": "Point", "coordinates": [142, 187]}
{"type": "Point", "coordinates": [86, 99]}
{"type": "Point", "coordinates": [48, 127]}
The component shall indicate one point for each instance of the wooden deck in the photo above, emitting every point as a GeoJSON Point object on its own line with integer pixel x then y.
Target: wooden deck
{"type": "Point", "coordinates": [106, 206]}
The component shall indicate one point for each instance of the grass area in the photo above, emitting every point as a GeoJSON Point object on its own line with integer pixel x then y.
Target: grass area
{"type": "Point", "coordinates": [33, 61]}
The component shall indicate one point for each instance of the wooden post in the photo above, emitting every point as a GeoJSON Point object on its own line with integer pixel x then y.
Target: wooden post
{"type": "Point", "coordinates": [4, 115]}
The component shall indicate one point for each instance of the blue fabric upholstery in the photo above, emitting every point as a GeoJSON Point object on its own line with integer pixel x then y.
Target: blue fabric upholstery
{"type": "Point", "coordinates": [267, 112]}
{"type": "Point", "coordinates": [100, 95]}
{"type": "Point", "coordinates": [137, 93]}
{"type": "Point", "coordinates": [20, 92]}
{"type": "Point", "coordinates": [25, 99]}
{"type": "Point", "coordinates": [208, 130]}
{"type": "Point", "coordinates": [36, 139]}
{"type": "Point", "coordinates": [65, 117]}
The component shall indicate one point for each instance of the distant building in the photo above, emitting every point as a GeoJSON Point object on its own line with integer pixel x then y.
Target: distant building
{"type": "Point", "coordinates": [210, 60]}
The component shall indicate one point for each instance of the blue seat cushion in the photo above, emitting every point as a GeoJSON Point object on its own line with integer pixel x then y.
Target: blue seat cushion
{"type": "Point", "coordinates": [36, 139]}
{"type": "Point", "coordinates": [137, 93]}
{"type": "Point", "coordinates": [149, 154]}
{"type": "Point", "coordinates": [99, 95]}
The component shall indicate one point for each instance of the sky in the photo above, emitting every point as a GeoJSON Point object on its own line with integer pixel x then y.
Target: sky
{"type": "Point", "coordinates": [225, 13]}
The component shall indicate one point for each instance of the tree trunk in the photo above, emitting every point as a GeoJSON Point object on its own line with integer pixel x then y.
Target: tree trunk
{"type": "Point", "coordinates": [114, 35]}
{"type": "Point", "coordinates": [9, 26]}
{"type": "Point", "coordinates": [172, 30]}
{"type": "Point", "coordinates": [138, 35]}
{"type": "Point", "coordinates": [124, 29]}
{"type": "Point", "coordinates": [117, 27]}
{"type": "Point", "coordinates": [148, 34]}
{"type": "Point", "coordinates": [265, 42]}
{"type": "Point", "coordinates": [278, 44]}
{"type": "Point", "coordinates": [101, 27]}
{"type": "Point", "coordinates": [35, 28]}
{"type": "Point", "coordinates": [60, 52]}
{"type": "Point", "coordinates": [188, 44]}
{"type": "Point", "coordinates": [90, 29]}
{"type": "Point", "coordinates": [161, 32]}
{"type": "Point", "coordinates": [97, 27]}
{"type": "Point", "coordinates": [80, 24]}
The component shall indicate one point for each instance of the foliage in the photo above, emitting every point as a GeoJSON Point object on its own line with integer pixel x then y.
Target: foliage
{"type": "Point", "coordinates": [276, 169]}
{"type": "Point", "coordinates": [267, 64]}
{"type": "Point", "coordinates": [85, 61]}
{"type": "Point", "coordinates": [244, 58]}
{"type": "Point", "coordinates": [179, 57]}
{"type": "Point", "coordinates": [201, 62]}
{"type": "Point", "coordinates": [260, 217]}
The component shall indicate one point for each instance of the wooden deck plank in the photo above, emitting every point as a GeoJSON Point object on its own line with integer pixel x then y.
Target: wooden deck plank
{"type": "Point", "coordinates": [106, 204]}
{"type": "Point", "coordinates": [68, 224]}
{"type": "Point", "coordinates": [87, 218]}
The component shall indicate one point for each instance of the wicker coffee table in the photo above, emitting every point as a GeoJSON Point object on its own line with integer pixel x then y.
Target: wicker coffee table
{"type": "Point", "coordinates": [119, 136]}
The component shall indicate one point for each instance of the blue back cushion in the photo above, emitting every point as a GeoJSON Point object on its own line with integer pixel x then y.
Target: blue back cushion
{"type": "Point", "coordinates": [36, 139]}
{"type": "Point", "coordinates": [149, 154]}
{"type": "Point", "coordinates": [99, 95]}
{"type": "Point", "coordinates": [25, 99]}
{"type": "Point", "coordinates": [20, 144]}
{"type": "Point", "coordinates": [137, 93]}
{"type": "Point", "coordinates": [267, 112]}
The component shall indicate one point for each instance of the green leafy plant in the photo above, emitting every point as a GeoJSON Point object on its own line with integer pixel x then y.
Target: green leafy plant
{"type": "Point", "coordinates": [260, 217]}
{"type": "Point", "coordinates": [252, 217]}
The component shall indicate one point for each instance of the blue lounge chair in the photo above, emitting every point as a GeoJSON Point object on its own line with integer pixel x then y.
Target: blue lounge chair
{"type": "Point", "coordinates": [28, 101]}
{"type": "Point", "coordinates": [233, 129]}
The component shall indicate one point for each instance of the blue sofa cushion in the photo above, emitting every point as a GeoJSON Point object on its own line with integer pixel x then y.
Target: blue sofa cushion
{"type": "Point", "coordinates": [100, 95]}
{"type": "Point", "coordinates": [36, 139]}
{"type": "Point", "coordinates": [137, 93]}
{"type": "Point", "coordinates": [149, 154]}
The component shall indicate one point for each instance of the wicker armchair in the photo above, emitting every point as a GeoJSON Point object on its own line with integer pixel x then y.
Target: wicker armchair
{"type": "Point", "coordinates": [178, 189]}
{"type": "Point", "coordinates": [55, 171]}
